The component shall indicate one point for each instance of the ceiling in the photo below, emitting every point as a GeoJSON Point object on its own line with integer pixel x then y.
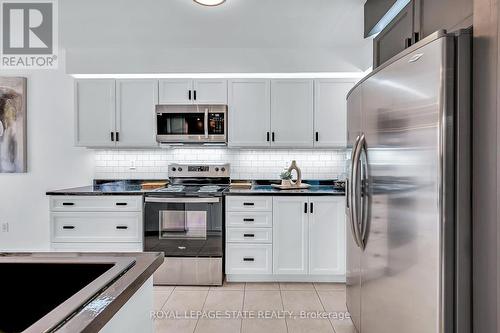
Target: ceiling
{"type": "Point", "coordinates": [235, 24]}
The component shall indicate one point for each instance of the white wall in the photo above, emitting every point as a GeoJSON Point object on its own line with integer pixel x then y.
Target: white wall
{"type": "Point", "coordinates": [53, 162]}
{"type": "Point", "coordinates": [245, 163]}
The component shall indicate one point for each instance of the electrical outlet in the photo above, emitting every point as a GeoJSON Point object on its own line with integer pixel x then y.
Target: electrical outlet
{"type": "Point", "coordinates": [132, 165]}
{"type": "Point", "coordinates": [5, 227]}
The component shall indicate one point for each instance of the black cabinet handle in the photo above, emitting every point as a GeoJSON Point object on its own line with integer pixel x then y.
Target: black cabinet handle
{"type": "Point", "coordinates": [267, 136]}
{"type": "Point", "coordinates": [68, 203]}
{"type": "Point", "coordinates": [317, 136]}
{"type": "Point", "coordinates": [305, 207]}
{"type": "Point", "coordinates": [311, 208]}
{"type": "Point", "coordinates": [248, 220]}
{"type": "Point", "coordinates": [121, 203]}
{"type": "Point", "coordinates": [117, 136]}
{"type": "Point", "coordinates": [248, 235]}
{"type": "Point", "coordinates": [121, 227]}
{"type": "Point", "coordinates": [272, 135]}
{"type": "Point", "coordinates": [248, 204]}
{"type": "Point", "coordinates": [112, 136]}
{"type": "Point", "coordinates": [407, 43]}
{"type": "Point", "coordinates": [68, 227]}
{"type": "Point", "coordinates": [248, 259]}
{"type": "Point", "coordinates": [189, 94]}
{"type": "Point", "coordinates": [416, 37]}
{"type": "Point", "coordinates": [195, 95]}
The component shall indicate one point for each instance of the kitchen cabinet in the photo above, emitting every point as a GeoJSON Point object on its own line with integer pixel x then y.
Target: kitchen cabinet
{"type": "Point", "coordinates": [189, 91]}
{"type": "Point", "coordinates": [285, 238]}
{"type": "Point", "coordinates": [292, 113]}
{"type": "Point", "coordinates": [115, 113]}
{"type": "Point", "coordinates": [96, 223]}
{"type": "Point", "coordinates": [417, 20]}
{"type": "Point", "coordinates": [95, 113]}
{"type": "Point", "coordinates": [330, 112]}
{"type": "Point", "coordinates": [249, 103]}
{"type": "Point", "coordinates": [290, 235]}
{"type": "Point", "coordinates": [327, 235]}
{"type": "Point", "coordinates": [135, 112]}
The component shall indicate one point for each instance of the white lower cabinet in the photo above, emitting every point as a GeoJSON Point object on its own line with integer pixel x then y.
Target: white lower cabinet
{"type": "Point", "coordinates": [290, 235]}
{"type": "Point", "coordinates": [291, 238]}
{"type": "Point", "coordinates": [96, 223]}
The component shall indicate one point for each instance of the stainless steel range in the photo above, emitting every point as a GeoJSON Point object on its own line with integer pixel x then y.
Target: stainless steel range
{"type": "Point", "coordinates": [185, 221]}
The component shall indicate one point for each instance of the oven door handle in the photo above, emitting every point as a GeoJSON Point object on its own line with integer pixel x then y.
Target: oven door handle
{"type": "Point", "coordinates": [182, 200]}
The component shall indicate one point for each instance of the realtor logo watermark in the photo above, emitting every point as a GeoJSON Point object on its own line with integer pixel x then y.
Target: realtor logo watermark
{"type": "Point", "coordinates": [29, 34]}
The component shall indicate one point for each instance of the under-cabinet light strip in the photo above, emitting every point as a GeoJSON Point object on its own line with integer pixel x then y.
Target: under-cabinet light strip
{"type": "Point", "coordinates": [329, 75]}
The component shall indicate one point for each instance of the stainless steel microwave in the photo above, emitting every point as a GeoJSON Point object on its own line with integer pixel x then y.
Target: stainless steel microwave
{"type": "Point", "coordinates": [191, 124]}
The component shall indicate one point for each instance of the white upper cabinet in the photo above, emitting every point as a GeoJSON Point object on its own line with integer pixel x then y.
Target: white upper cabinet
{"type": "Point", "coordinates": [210, 91]}
{"type": "Point", "coordinates": [135, 113]}
{"type": "Point", "coordinates": [176, 91]}
{"type": "Point", "coordinates": [327, 236]}
{"type": "Point", "coordinates": [330, 112]}
{"type": "Point", "coordinates": [292, 113]}
{"type": "Point", "coordinates": [290, 235]}
{"type": "Point", "coordinates": [249, 113]}
{"type": "Point", "coordinates": [188, 91]}
{"type": "Point", "coordinates": [95, 113]}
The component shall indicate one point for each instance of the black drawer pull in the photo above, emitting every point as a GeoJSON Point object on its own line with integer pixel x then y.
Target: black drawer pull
{"type": "Point", "coordinates": [248, 259]}
{"type": "Point", "coordinates": [248, 235]}
{"type": "Point", "coordinates": [68, 203]}
{"type": "Point", "coordinates": [248, 220]}
{"type": "Point", "coordinates": [121, 227]}
{"type": "Point", "coordinates": [248, 204]}
{"type": "Point", "coordinates": [121, 203]}
{"type": "Point", "coordinates": [68, 227]}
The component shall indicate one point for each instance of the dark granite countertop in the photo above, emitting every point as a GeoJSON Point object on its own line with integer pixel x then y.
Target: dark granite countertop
{"type": "Point", "coordinates": [93, 306]}
{"type": "Point", "coordinates": [107, 187]}
{"type": "Point", "coordinates": [264, 187]}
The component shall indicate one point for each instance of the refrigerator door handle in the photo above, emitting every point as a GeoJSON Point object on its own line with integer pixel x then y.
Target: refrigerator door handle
{"type": "Point", "coordinates": [364, 199]}
{"type": "Point", "coordinates": [353, 205]}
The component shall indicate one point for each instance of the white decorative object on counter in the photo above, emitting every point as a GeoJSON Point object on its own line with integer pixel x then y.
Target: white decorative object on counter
{"type": "Point", "coordinates": [286, 179]}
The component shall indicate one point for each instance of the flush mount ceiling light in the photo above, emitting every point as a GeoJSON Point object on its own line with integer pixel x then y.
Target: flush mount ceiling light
{"type": "Point", "coordinates": [210, 3]}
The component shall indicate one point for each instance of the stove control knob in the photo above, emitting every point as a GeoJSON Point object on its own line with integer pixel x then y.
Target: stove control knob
{"type": "Point", "coordinates": [179, 169]}
{"type": "Point", "coordinates": [223, 169]}
{"type": "Point", "coordinates": [174, 169]}
{"type": "Point", "coordinates": [216, 169]}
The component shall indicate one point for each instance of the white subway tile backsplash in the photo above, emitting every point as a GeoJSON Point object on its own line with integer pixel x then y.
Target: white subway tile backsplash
{"type": "Point", "coordinates": [245, 163]}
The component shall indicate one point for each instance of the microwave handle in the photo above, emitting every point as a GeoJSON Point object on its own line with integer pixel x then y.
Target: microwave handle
{"type": "Point", "coordinates": [206, 123]}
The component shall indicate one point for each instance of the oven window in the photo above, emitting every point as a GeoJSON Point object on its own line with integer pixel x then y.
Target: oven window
{"type": "Point", "coordinates": [180, 124]}
{"type": "Point", "coordinates": [216, 124]}
{"type": "Point", "coordinates": [181, 224]}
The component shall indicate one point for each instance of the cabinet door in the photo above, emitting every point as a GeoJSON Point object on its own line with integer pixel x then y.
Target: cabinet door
{"type": "Point", "coordinates": [327, 236]}
{"type": "Point", "coordinates": [249, 113]}
{"type": "Point", "coordinates": [176, 91]}
{"type": "Point", "coordinates": [292, 113]}
{"type": "Point", "coordinates": [95, 113]}
{"type": "Point", "coordinates": [135, 115]}
{"type": "Point", "coordinates": [290, 235]}
{"type": "Point", "coordinates": [393, 39]}
{"type": "Point", "coordinates": [210, 91]}
{"type": "Point", "coordinates": [330, 112]}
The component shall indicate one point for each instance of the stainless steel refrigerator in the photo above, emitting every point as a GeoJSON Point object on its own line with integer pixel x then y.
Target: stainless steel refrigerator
{"type": "Point", "coordinates": [408, 191]}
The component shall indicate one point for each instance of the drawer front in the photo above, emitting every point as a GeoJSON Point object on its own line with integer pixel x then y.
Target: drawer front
{"type": "Point", "coordinates": [249, 258]}
{"type": "Point", "coordinates": [96, 247]}
{"type": "Point", "coordinates": [249, 203]}
{"type": "Point", "coordinates": [96, 227]}
{"type": "Point", "coordinates": [95, 203]}
{"type": "Point", "coordinates": [249, 219]}
{"type": "Point", "coordinates": [249, 235]}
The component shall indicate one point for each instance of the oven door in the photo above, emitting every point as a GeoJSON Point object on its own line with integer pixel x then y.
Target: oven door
{"type": "Point", "coordinates": [184, 226]}
{"type": "Point", "coordinates": [191, 124]}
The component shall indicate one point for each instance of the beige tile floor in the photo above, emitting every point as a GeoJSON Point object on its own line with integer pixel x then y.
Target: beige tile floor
{"type": "Point", "coordinates": [251, 297]}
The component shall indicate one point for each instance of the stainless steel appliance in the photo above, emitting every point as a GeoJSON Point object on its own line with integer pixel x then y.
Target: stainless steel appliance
{"type": "Point", "coordinates": [185, 221]}
{"type": "Point", "coordinates": [198, 124]}
{"type": "Point", "coordinates": [408, 192]}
